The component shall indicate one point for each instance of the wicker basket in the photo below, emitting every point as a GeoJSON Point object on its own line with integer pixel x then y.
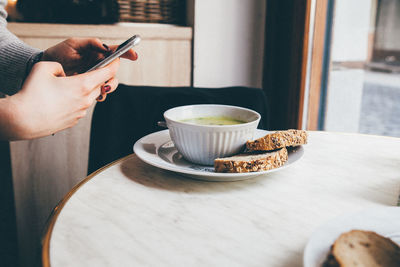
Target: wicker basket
{"type": "Point", "coordinates": [154, 11]}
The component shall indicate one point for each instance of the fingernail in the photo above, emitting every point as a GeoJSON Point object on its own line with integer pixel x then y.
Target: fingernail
{"type": "Point", "coordinates": [107, 88]}
{"type": "Point", "coordinates": [100, 97]}
{"type": "Point", "coordinates": [106, 47]}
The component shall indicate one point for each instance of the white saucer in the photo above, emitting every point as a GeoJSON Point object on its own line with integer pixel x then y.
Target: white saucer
{"type": "Point", "coordinates": [382, 220]}
{"type": "Point", "coordinates": [158, 150]}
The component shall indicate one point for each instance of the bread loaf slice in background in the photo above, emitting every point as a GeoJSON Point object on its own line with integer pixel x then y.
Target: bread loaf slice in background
{"type": "Point", "coordinates": [279, 139]}
{"type": "Point", "coordinates": [363, 249]}
{"type": "Point", "coordinates": [252, 162]}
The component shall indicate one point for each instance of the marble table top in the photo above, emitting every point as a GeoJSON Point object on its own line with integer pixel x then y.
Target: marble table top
{"type": "Point", "coordinates": [133, 214]}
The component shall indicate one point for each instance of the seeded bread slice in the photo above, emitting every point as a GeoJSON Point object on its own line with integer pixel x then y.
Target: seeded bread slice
{"type": "Point", "coordinates": [253, 162]}
{"type": "Point", "coordinates": [363, 248]}
{"type": "Point", "coordinates": [277, 140]}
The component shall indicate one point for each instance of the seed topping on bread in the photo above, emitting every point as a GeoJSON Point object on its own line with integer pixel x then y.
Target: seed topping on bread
{"type": "Point", "coordinates": [279, 139]}
{"type": "Point", "coordinates": [252, 162]}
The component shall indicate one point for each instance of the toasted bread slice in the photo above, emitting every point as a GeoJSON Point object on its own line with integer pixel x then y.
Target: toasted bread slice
{"type": "Point", "coordinates": [252, 162]}
{"type": "Point", "coordinates": [363, 248]}
{"type": "Point", "coordinates": [277, 140]}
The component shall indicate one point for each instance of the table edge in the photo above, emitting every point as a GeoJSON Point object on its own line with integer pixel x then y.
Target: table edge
{"type": "Point", "coordinates": [57, 210]}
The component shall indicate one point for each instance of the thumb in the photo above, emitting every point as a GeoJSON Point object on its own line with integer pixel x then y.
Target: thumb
{"type": "Point", "coordinates": [53, 68]}
{"type": "Point", "coordinates": [99, 76]}
{"type": "Point", "coordinates": [57, 69]}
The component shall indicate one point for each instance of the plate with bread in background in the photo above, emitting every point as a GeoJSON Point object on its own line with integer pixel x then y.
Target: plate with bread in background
{"type": "Point", "coordinates": [366, 238]}
{"type": "Point", "coordinates": [219, 143]}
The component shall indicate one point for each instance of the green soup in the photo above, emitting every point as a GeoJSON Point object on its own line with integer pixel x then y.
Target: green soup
{"type": "Point", "coordinates": [217, 120]}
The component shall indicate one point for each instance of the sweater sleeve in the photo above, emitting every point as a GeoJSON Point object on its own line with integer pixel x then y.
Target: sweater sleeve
{"type": "Point", "coordinates": [16, 57]}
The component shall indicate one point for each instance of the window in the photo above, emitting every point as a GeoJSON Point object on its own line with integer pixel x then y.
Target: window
{"type": "Point", "coordinates": [357, 87]}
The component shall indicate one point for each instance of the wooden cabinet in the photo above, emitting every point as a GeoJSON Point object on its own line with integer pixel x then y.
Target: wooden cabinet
{"type": "Point", "coordinates": [45, 169]}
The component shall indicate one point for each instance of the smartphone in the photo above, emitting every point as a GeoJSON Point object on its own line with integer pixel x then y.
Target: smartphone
{"type": "Point", "coordinates": [122, 48]}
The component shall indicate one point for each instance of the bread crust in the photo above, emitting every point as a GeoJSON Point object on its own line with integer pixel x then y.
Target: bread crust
{"type": "Point", "coordinates": [252, 162]}
{"type": "Point", "coordinates": [279, 139]}
{"type": "Point", "coordinates": [363, 248]}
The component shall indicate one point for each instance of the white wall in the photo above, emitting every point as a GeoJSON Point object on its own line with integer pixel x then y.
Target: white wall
{"type": "Point", "coordinates": [228, 42]}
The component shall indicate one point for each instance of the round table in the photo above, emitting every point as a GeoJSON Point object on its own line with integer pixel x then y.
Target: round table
{"type": "Point", "coordinates": [132, 214]}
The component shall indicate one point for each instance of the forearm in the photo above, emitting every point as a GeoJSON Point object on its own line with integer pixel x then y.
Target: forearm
{"type": "Point", "coordinates": [16, 57]}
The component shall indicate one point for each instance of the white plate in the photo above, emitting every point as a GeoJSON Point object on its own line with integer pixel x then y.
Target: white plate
{"type": "Point", "coordinates": [383, 220]}
{"type": "Point", "coordinates": [158, 150]}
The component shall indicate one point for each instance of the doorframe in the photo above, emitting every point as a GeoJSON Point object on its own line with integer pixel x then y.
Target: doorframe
{"type": "Point", "coordinates": [294, 73]}
{"type": "Point", "coordinates": [285, 61]}
{"type": "Point", "coordinates": [320, 56]}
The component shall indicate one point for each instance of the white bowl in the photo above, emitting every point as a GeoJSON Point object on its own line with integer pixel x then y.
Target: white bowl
{"type": "Point", "coordinates": [201, 144]}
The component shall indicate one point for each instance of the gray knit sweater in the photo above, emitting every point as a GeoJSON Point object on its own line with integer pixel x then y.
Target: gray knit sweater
{"type": "Point", "coordinates": [16, 57]}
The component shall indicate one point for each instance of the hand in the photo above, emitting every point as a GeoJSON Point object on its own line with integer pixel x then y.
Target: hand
{"type": "Point", "coordinates": [77, 55]}
{"type": "Point", "coordinates": [50, 102]}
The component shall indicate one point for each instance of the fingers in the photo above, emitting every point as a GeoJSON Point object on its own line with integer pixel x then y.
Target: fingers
{"type": "Point", "coordinates": [96, 45]}
{"type": "Point", "coordinates": [94, 79]}
{"type": "Point", "coordinates": [101, 98]}
{"type": "Point", "coordinates": [110, 86]}
{"type": "Point", "coordinates": [101, 94]}
{"type": "Point", "coordinates": [89, 43]}
{"type": "Point", "coordinates": [107, 88]}
{"type": "Point", "coordinates": [130, 54]}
